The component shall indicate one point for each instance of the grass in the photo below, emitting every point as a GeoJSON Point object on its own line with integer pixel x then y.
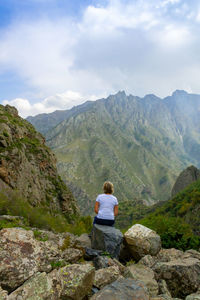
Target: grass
{"type": "Point", "coordinates": [11, 203]}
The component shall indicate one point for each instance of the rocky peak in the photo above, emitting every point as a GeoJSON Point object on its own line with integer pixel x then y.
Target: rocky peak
{"type": "Point", "coordinates": [29, 166]}
{"type": "Point", "coordinates": [185, 178]}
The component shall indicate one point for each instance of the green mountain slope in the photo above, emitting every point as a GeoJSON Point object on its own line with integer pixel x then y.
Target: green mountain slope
{"type": "Point", "coordinates": [177, 221]}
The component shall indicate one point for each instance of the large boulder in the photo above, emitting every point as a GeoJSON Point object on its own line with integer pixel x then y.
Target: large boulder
{"type": "Point", "coordinates": [123, 289]}
{"type": "Point", "coordinates": [37, 287]}
{"type": "Point", "coordinates": [107, 238]}
{"type": "Point", "coordinates": [106, 276]}
{"type": "Point", "coordinates": [182, 275]}
{"type": "Point", "coordinates": [146, 275]}
{"type": "Point", "coordinates": [73, 281]}
{"type": "Point", "coordinates": [142, 241]}
{"type": "Point", "coordinates": [22, 256]}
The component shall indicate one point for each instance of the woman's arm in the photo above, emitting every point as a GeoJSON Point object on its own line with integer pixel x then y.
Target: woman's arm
{"type": "Point", "coordinates": [96, 208]}
{"type": "Point", "coordinates": [116, 210]}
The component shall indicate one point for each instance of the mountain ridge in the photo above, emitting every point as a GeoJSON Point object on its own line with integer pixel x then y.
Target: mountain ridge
{"type": "Point", "coordinates": [141, 144]}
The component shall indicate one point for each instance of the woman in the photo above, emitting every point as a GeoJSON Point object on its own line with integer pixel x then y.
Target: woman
{"type": "Point", "coordinates": [106, 206]}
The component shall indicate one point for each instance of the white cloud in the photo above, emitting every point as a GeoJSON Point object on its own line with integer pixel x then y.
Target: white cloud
{"type": "Point", "coordinates": [58, 102]}
{"type": "Point", "coordinates": [139, 46]}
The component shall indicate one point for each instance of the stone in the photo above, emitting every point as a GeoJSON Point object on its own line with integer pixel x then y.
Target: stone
{"type": "Point", "coordinates": [73, 281]}
{"type": "Point", "coordinates": [22, 256]}
{"type": "Point", "coordinates": [72, 255]}
{"type": "Point", "coordinates": [90, 254]}
{"type": "Point", "coordinates": [163, 289]}
{"type": "Point", "coordinates": [148, 261]}
{"type": "Point", "coordinates": [83, 241]}
{"type": "Point", "coordinates": [142, 241]}
{"type": "Point", "coordinates": [101, 262]}
{"type": "Point", "coordinates": [182, 276]}
{"type": "Point", "coordinates": [195, 296]}
{"type": "Point", "coordinates": [123, 289]}
{"type": "Point", "coordinates": [107, 238]}
{"type": "Point", "coordinates": [192, 253]}
{"type": "Point", "coordinates": [146, 275]}
{"type": "Point", "coordinates": [38, 287]}
{"type": "Point", "coordinates": [106, 276]}
{"type": "Point", "coordinates": [166, 255]}
{"type": "Point", "coordinates": [3, 294]}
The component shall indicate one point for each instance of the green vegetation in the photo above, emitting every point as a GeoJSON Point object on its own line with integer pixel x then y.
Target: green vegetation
{"type": "Point", "coordinates": [177, 221]}
{"type": "Point", "coordinates": [13, 204]}
{"type": "Point", "coordinates": [58, 264]}
{"type": "Point", "coordinates": [40, 236]}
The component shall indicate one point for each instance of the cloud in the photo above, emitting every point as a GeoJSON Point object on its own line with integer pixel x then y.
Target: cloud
{"type": "Point", "coordinates": [139, 46]}
{"type": "Point", "coordinates": [58, 102]}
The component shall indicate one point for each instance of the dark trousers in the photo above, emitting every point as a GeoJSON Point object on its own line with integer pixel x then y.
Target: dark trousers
{"type": "Point", "coordinates": [103, 222]}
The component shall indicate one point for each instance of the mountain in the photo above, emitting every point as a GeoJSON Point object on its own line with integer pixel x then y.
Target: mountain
{"type": "Point", "coordinates": [28, 167]}
{"type": "Point", "coordinates": [140, 144]}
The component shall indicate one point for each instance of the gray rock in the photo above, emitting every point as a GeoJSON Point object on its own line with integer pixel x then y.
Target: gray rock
{"type": "Point", "coordinates": [195, 296]}
{"type": "Point", "coordinates": [83, 241]}
{"type": "Point", "coordinates": [123, 289]}
{"type": "Point", "coordinates": [38, 287]}
{"type": "Point", "coordinates": [101, 262]}
{"type": "Point", "coordinates": [90, 254]}
{"type": "Point", "coordinates": [3, 294]}
{"type": "Point", "coordinates": [185, 178]}
{"type": "Point", "coordinates": [107, 238]}
{"type": "Point", "coordinates": [146, 275]}
{"type": "Point", "coordinates": [106, 276]}
{"type": "Point", "coordinates": [182, 276]}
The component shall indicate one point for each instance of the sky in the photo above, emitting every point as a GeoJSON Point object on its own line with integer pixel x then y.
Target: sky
{"type": "Point", "coordinates": [55, 54]}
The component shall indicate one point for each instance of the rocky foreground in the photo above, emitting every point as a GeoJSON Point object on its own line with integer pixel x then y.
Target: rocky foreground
{"type": "Point", "coordinates": [37, 264]}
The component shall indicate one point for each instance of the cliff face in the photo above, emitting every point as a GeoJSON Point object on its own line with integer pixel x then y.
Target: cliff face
{"type": "Point", "coordinates": [29, 166]}
{"type": "Point", "coordinates": [187, 176]}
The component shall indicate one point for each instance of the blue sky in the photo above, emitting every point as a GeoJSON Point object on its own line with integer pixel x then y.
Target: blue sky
{"type": "Point", "coordinates": [55, 54]}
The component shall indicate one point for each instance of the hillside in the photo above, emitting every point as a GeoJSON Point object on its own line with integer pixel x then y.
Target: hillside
{"type": "Point", "coordinates": [28, 167]}
{"type": "Point", "coordinates": [141, 144]}
{"type": "Point", "coordinates": [177, 221]}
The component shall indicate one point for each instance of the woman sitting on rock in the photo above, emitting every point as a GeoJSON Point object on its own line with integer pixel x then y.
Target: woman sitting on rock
{"type": "Point", "coordinates": [106, 206]}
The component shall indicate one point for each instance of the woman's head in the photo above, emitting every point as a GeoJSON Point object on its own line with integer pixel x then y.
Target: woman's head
{"type": "Point", "coordinates": [108, 187]}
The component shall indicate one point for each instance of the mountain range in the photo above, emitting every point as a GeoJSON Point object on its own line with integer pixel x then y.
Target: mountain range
{"type": "Point", "coordinates": [140, 144]}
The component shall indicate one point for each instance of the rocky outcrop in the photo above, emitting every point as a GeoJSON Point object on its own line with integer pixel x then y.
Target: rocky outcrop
{"type": "Point", "coordinates": [142, 241]}
{"type": "Point", "coordinates": [107, 238]}
{"type": "Point", "coordinates": [28, 165]}
{"type": "Point", "coordinates": [41, 265]}
{"type": "Point", "coordinates": [185, 178]}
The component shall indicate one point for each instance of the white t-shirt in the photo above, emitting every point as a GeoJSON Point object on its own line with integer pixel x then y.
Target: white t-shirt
{"type": "Point", "coordinates": [106, 206]}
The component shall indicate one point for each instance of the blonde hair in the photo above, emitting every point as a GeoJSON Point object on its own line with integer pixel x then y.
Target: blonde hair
{"type": "Point", "coordinates": [108, 187]}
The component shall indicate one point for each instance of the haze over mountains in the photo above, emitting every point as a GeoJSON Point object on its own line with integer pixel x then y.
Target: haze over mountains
{"type": "Point", "coordinates": [141, 144]}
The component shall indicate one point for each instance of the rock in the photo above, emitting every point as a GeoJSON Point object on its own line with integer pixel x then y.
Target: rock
{"type": "Point", "coordinates": [72, 255]}
{"type": "Point", "coordinates": [123, 289]}
{"type": "Point", "coordinates": [101, 262]}
{"type": "Point", "coordinates": [182, 276]}
{"type": "Point", "coordinates": [107, 238]}
{"type": "Point", "coordinates": [72, 282]}
{"type": "Point", "coordinates": [106, 276]}
{"type": "Point", "coordinates": [195, 296]}
{"type": "Point", "coordinates": [3, 294]}
{"type": "Point", "coordinates": [186, 177]}
{"type": "Point", "coordinates": [166, 255]}
{"type": "Point", "coordinates": [163, 289]}
{"type": "Point", "coordinates": [146, 275]}
{"type": "Point", "coordinates": [191, 253]}
{"type": "Point", "coordinates": [148, 261]}
{"type": "Point", "coordinates": [83, 241]}
{"type": "Point", "coordinates": [22, 256]}
{"type": "Point", "coordinates": [90, 254]}
{"type": "Point", "coordinates": [38, 287]}
{"type": "Point", "coordinates": [142, 241]}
